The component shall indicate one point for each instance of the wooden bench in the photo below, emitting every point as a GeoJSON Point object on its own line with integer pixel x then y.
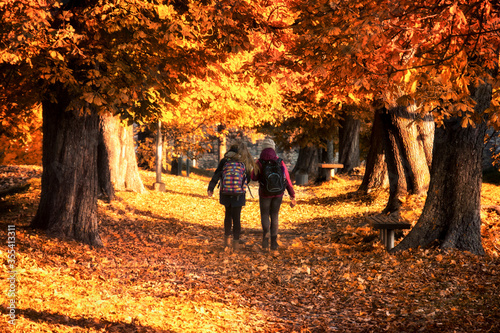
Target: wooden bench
{"type": "Point", "coordinates": [387, 224]}
{"type": "Point", "coordinates": [332, 167]}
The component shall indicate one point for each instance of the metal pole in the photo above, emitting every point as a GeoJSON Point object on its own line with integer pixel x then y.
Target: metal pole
{"type": "Point", "coordinates": [159, 186]}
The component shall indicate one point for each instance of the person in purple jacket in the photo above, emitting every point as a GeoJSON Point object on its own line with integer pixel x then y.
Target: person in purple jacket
{"type": "Point", "coordinates": [270, 203]}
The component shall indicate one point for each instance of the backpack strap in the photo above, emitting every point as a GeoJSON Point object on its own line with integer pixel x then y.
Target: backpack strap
{"type": "Point", "coordinates": [250, 191]}
{"type": "Point", "coordinates": [279, 161]}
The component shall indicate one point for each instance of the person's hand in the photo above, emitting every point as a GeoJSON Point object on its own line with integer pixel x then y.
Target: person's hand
{"type": "Point", "coordinates": [293, 203]}
{"type": "Point", "coordinates": [210, 193]}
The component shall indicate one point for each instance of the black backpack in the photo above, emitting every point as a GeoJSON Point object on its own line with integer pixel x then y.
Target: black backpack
{"type": "Point", "coordinates": [273, 177]}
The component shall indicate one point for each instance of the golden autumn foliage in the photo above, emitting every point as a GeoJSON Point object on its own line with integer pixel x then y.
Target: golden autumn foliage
{"type": "Point", "coordinates": [21, 139]}
{"type": "Point", "coordinates": [163, 268]}
{"type": "Point", "coordinates": [196, 64]}
{"type": "Point", "coordinates": [139, 59]}
{"type": "Point", "coordinates": [386, 53]}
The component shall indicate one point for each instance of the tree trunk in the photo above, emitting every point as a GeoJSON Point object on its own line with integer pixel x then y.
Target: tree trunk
{"type": "Point", "coordinates": [491, 151]}
{"type": "Point", "coordinates": [396, 172]}
{"type": "Point", "coordinates": [330, 151]}
{"type": "Point", "coordinates": [349, 143]}
{"type": "Point", "coordinates": [405, 158]}
{"type": "Point", "coordinates": [426, 128]}
{"type": "Point", "coordinates": [307, 162]}
{"type": "Point", "coordinates": [376, 170]}
{"type": "Point", "coordinates": [118, 141]}
{"type": "Point", "coordinates": [451, 216]}
{"type": "Point", "coordinates": [68, 202]}
{"type": "Point", "coordinates": [106, 189]}
{"type": "Point", "coordinates": [326, 155]}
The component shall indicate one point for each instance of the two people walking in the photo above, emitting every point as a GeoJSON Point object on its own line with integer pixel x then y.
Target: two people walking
{"type": "Point", "coordinates": [273, 177]}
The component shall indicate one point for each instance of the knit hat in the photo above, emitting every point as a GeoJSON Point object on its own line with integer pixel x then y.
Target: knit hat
{"type": "Point", "coordinates": [268, 143]}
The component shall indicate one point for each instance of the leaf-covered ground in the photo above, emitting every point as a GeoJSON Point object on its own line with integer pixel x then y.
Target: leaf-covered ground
{"type": "Point", "coordinates": [163, 268]}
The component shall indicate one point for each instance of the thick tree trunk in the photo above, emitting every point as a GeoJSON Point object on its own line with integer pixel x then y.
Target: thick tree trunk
{"type": "Point", "coordinates": [451, 216]}
{"type": "Point", "coordinates": [426, 129]}
{"type": "Point", "coordinates": [68, 202]}
{"type": "Point", "coordinates": [307, 162]}
{"type": "Point", "coordinates": [405, 158]}
{"type": "Point", "coordinates": [376, 170]}
{"type": "Point", "coordinates": [118, 142]}
{"type": "Point", "coordinates": [349, 143]}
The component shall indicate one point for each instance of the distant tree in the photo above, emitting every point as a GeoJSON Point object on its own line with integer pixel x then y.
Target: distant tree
{"type": "Point", "coordinates": [349, 130]}
{"type": "Point", "coordinates": [118, 148]}
{"type": "Point", "coordinates": [375, 176]}
{"type": "Point", "coordinates": [307, 162]}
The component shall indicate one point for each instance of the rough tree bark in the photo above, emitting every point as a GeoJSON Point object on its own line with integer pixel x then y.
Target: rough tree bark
{"type": "Point", "coordinates": [451, 216]}
{"type": "Point", "coordinates": [68, 201]}
{"type": "Point", "coordinates": [349, 143]}
{"type": "Point", "coordinates": [406, 163]}
{"type": "Point", "coordinates": [118, 147]}
{"type": "Point", "coordinates": [307, 162]}
{"type": "Point", "coordinates": [375, 175]}
{"type": "Point", "coordinates": [426, 129]}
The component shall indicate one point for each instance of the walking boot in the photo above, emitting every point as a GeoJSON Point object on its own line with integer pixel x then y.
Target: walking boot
{"type": "Point", "coordinates": [226, 241]}
{"type": "Point", "coordinates": [274, 243]}
{"type": "Point", "coordinates": [265, 241]}
{"type": "Point", "coordinates": [236, 245]}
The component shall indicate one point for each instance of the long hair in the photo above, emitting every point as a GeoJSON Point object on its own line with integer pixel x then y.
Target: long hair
{"type": "Point", "coordinates": [243, 155]}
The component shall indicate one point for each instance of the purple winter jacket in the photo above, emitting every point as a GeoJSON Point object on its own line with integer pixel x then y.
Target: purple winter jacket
{"type": "Point", "coordinates": [267, 155]}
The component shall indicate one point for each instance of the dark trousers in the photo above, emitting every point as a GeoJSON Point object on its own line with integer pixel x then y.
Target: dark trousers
{"type": "Point", "coordinates": [269, 212]}
{"type": "Point", "coordinates": [232, 219]}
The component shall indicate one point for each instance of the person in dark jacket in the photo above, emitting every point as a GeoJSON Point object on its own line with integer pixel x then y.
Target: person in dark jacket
{"type": "Point", "coordinates": [232, 203]}
{"type": "Point", "coordinates": [270, 204]}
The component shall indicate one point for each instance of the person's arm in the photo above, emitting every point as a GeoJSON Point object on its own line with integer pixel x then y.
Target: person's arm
{"type": "Point", "coordinates": [215, 178]}
{"type": "Point", "coordinates": [255, 175]}
{"type": "Point", "coordinates": [289, 186]}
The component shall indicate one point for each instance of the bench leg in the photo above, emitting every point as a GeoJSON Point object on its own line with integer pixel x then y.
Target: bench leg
{"type": "Point", "coordinates": [387, 238]}
{"type": "Point", "coordinates": [389, 241]}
